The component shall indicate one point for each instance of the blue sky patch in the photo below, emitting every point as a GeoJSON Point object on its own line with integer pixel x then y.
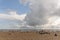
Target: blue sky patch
{"type": "Point", "coordinates": [13, 5]}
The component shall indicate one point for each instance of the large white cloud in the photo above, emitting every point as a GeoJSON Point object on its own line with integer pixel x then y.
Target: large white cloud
{"type": "Point", "coordinates": [12, 15]}
{"type": "Point", "coordinates": [43, 12]}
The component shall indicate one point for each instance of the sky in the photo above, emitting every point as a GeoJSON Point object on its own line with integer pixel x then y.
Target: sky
{"type": "Point", "coordinates": [13, 5]}
{"type": "Point", "coordinates": [29, 14]}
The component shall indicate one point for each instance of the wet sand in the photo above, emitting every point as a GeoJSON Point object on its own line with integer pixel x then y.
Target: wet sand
{"type": "Point", "coordinates": [17, 35]}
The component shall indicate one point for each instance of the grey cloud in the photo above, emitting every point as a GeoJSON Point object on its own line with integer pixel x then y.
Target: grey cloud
{"type": "Point", "coordinates": [40, 11]}
{"type": "Point", "coordinates": [57, 13]}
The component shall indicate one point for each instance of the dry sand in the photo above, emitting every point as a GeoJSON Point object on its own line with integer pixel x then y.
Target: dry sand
{"type": "Point", "coordinates": [17, 35]}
